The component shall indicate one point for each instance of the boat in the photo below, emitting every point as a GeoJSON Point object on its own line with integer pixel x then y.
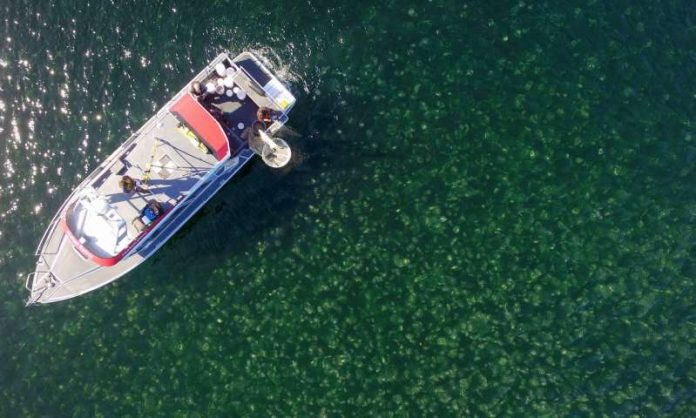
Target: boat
{"type": "Point", "coordinates": [152, 184]}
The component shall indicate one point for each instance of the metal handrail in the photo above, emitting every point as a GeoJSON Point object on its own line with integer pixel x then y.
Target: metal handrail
{"type": "Point", "coordinates": [52, 226]}
{"type": "Point", "coordinates": [42, 290]}
{"type": "Point", "coordinates": [31, 276]}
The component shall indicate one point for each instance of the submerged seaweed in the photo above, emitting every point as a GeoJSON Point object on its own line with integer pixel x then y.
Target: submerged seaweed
{"type": "Point", "coordinates": [492, 215]}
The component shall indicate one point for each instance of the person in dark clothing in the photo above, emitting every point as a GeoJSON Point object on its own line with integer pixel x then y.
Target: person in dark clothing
{"type": "Point", "coordinates": [252, 136]}
{"type": "Point", "coordinates": [130, 185]}
{"type": "Point", "coordinates": [201, 92]}
{"type": "Point", "coordinates": [265, 115]}
{"type": "Point", "coordinates": [197, 88]}
{"type": "Point", "coordinates": [153, 210]}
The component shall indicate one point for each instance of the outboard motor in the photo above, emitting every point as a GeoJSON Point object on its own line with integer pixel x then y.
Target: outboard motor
{"type": "Point", "coordinates": [275, 152]}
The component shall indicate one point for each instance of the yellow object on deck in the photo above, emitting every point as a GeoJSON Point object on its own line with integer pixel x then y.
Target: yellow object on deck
{"type": "Point", "coordinates": [148, 167]}
{"type": "Point", "coordinates": [192, 137]}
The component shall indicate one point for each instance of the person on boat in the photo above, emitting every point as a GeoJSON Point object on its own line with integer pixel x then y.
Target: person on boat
{"type": "Point", "coordinates": [264, 115]}
{"type": "Point", "coordinates": [206, 99]}
{"type": "Point", "coordinates": [202, 93]}
{"type": "Point", "coordinates": [199, 90]}
{"type": "Point", "coordinates": [252, 136]}
{"type": "Point", "coordinates": [130, 185]}
{"type": "Point", "coordinates": [153, 210]}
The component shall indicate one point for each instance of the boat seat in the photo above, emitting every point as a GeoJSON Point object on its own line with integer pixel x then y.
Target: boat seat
{"type": "Point", "coordinates": [98, 206]}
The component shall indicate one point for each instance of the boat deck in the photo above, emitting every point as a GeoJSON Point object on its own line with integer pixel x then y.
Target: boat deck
{"type": "Point", "coordinates": [175, 165]}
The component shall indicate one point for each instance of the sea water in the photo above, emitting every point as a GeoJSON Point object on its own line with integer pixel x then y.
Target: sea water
{"type": "Point", "coordinates": [490, 212]}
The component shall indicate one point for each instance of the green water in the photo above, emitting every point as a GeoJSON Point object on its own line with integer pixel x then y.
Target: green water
{"type": "Point", "coordinates": [491, 214]}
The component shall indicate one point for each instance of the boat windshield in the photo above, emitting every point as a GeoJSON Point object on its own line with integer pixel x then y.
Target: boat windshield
{"type": "Point", "coordinates": [96, 225]}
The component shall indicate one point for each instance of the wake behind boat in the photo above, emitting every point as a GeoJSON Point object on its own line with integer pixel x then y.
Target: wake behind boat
{"type": "Point", "coordinates": [136, 199]}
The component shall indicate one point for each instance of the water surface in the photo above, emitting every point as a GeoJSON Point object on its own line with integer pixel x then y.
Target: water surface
{"type": "Point", "coordinates": [491, 213]}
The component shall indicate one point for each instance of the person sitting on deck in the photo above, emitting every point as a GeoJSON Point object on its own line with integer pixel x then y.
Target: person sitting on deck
{"type": "Point", "coordinates": [264, 115]}
{"type": "Point", "coordinates": [130, 185]}
{"type": "Point", "coordinates": [152, 211]}
{"type": "Point", "coordinates": [199, 90]}
{"type": "Point", "coordinates": [207, 100]}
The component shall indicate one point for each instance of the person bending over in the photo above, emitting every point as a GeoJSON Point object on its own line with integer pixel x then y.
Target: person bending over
{"type": "Point", "coordinates": [129, 185]}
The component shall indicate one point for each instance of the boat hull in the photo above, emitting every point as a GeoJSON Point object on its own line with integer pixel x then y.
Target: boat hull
{"type": "Point", "coordinates": [63, 273]}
